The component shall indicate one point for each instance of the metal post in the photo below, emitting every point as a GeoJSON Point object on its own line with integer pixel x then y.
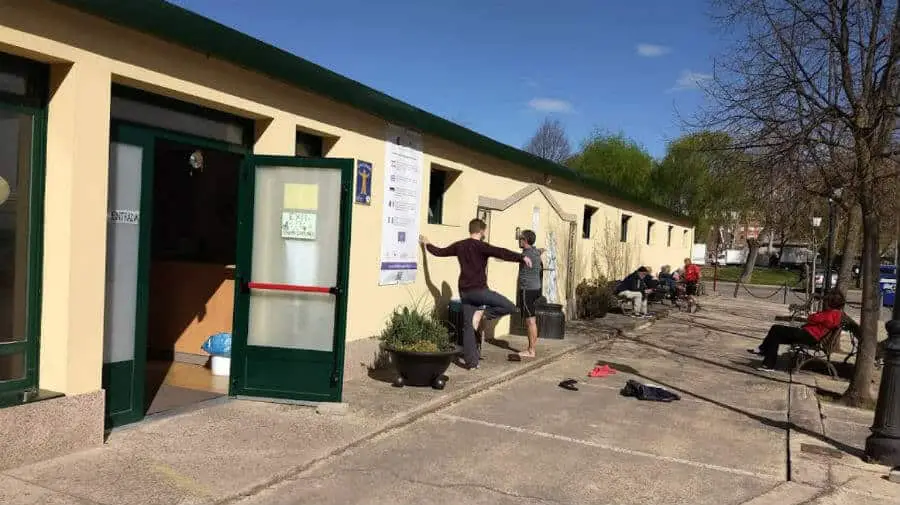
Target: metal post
{"type": "Point", "coordinates": [812, 273]}
{"type": "Point", "coordinates": [716, 268]}
{"type": "Point", "coordinates": [826, 282]}
{"type": "Point", "coordinates": [785, 292]}
{"type": "Point", "coordinates": [883, 445]}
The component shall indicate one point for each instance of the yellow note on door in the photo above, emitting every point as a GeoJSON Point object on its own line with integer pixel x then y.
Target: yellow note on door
{"type": "Point", "coordinates": [301, 196]}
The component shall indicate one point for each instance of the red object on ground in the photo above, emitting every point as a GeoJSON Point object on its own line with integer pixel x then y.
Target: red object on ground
{"type": "Point", "coordinates": [602, 371]}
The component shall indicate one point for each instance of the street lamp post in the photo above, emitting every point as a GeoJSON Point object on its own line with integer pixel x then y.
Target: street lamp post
{"type": "Point", "coordinates": [816, 223]}
{"type": "Point", "coordinates": [829, 248]}
{"type": "Point", "coordinates": [883, 445]}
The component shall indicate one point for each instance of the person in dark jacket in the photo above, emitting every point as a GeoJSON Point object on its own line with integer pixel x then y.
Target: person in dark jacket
{"type": "Point", "coordinates": [633, 288]}
{"type": "Point", "coordinates": [472, 254]}
{"type": "Point", "coordinates": [668, 280]}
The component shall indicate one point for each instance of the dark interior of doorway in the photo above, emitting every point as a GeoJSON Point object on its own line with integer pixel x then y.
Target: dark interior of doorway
{"type": "Point", "coordinates": [193, 252]}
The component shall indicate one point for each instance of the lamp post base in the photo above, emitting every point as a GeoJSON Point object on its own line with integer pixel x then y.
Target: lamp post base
{"type": "Point", "coordinates": [883, 445]}
{"type": "Point", "coordinates": [883, 450]}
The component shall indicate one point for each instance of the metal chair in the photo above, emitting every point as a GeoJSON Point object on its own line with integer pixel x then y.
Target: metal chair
{"type": "Point", "coordinates": [803, 354]}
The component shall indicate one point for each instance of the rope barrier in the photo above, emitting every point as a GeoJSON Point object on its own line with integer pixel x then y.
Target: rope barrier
{"type": "Point", "coordinates": [761, 297]}
{"type": "Point", "coordinates": [786, 289]}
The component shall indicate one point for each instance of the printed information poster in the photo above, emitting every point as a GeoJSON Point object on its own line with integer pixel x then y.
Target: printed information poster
{"type": "Point", "coordinates": [403, 173]}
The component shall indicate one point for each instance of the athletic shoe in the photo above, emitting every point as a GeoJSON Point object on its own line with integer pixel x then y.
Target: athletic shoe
{"type": "Point", "coordinates": [764, 368]}
{"type": "Point", "coordinates": [755, 351]}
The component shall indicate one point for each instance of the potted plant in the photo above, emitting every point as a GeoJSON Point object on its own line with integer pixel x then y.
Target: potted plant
{"type": "Point", "coordinates": [420, 347]}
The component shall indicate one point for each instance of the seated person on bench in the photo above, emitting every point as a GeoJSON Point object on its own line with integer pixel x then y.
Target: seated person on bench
{"type": "Point", "coordinates": [667, 279]}
{"type": "Point", "coordinates": [634, 288]}
{"type": "Point", "coordinates": [817, 326]}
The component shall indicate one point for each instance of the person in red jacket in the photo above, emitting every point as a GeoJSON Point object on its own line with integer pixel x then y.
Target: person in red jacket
{"type": "Point", "coordinates": [817, 326]}
{"type": "Point", "coordinates": [691, 281]}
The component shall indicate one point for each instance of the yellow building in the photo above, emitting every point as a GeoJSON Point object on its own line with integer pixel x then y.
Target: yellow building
{"type": "Point", "coordinates": [166, 178]}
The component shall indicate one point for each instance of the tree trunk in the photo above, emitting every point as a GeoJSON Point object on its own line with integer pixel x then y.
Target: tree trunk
{"type": "Point", "coordinates": [861, 392]}
{"type": "Point", "coordinates": [850, 249]}
{"type": "Point", "coordinates": [749, 263]}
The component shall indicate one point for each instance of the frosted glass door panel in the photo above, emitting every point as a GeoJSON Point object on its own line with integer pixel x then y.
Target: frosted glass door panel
{"type": "Point", "coordinates": [296, 223]}
{"type": "Point", "coordinates": [125, 163]}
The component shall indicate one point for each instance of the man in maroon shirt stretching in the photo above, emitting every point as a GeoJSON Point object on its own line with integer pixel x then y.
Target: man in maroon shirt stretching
{"type": "Point", "coordinates": [472, 254]}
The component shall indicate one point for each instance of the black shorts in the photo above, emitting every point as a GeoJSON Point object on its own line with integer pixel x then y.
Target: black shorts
{"type": "Point", "coordinates": [690, 288]}
{"type": "Point", "coordinates": [527, 299]}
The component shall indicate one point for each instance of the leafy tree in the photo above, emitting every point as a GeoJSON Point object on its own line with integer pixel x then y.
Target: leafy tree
{"type": "Point", "coordinates": [616, 160]}
{"type": "Point", "coordinates": [701, 177]}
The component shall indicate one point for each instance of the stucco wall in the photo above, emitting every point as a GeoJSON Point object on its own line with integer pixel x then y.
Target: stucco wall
{"type": "Point", "coordinates": [88, 54]}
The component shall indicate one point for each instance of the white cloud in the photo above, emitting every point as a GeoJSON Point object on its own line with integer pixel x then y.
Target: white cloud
{"type": "Point", "coordinates": [550, 105]}
{"type": "Point", "coordinates": [690, 80]}
{"type": "Point", "coordinates": [652, 50]}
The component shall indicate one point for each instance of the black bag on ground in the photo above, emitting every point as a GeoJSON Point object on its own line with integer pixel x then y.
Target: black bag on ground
{"type": "Point", "coordinates": [648, 393]}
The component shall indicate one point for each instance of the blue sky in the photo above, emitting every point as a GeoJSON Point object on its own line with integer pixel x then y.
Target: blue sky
{"type": "Point", "coordinates": [500, 66]}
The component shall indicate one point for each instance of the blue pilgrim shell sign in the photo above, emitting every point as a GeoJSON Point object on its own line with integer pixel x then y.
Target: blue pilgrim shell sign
{"type": "Point", "coordinates": [363, 183]}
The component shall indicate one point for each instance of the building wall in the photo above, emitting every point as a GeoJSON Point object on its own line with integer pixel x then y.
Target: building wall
{"type": "Point", "coordinates": [88, 54]}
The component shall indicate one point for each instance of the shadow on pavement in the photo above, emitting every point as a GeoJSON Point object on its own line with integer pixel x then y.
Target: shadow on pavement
{"type": "Point", "coordinates": [705, 360]}
{"type": "Point", "coordinates": [782, 425]}
{"type": "Point", "coordinates": [693, 322]}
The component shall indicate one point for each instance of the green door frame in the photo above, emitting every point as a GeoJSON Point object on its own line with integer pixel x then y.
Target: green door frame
{"type": "Point", "coordinates": [32, 101]}
{"type": "Point", "coordinates": [36, 184]}
{"type": "Point", "coordinates": [125, 381]}
{"type": "Point", "coordinates": [245, 355]}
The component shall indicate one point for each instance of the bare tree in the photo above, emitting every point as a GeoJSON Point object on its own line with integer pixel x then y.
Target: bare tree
{"type": "Point", "coordinates": [813, 83]}
{"type": "Point", "coordinates": [550, 142]}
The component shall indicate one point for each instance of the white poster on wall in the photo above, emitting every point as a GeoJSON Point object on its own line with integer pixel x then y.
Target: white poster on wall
{"type": "Point", "coordinates": [404, 168]}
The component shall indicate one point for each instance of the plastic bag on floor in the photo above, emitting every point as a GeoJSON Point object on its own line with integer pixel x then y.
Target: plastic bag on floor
{"type": "Point", "coordinates": [218, 345]}
{"type": "Point", "coordinates": [649, 393]}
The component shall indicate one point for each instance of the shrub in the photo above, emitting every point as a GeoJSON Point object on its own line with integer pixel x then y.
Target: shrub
{"type": "Point", "coordinates": [415, 330]}
{"type": "Point", "coordinates": [594, 298]}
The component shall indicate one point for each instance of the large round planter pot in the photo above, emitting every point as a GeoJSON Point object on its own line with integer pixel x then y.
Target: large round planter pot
{"type": "Point", "coordinates": [422, 368]}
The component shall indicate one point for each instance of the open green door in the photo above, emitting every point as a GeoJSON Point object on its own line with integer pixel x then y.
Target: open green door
{"type": "Point", "coordinates": [292, 274]}
{"type": "Point", "coordinates": [128, 232]}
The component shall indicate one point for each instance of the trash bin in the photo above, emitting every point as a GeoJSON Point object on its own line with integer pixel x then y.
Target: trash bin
{"type": "Point", "coordinates": [455, 321]}
{"type": "Point", "coordinates": [551, 321]}
{"type": "Point", "coordinates": [887, 284]}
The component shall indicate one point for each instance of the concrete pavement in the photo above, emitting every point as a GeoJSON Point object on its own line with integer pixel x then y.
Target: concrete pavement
{"type": "Point", "coordinates": [507, 434]}
{"type": "Point", "coordinates": [737, 435]}
{"type": "Point", "coordinates": [225, 451]}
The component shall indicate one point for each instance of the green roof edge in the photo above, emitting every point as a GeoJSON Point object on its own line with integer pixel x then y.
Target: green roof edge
{"type": "Point", "coordinates": [184, 27]}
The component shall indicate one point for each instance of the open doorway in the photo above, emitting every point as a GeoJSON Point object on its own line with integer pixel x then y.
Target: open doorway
{"type": "Point", "coordinates": [191, 278]}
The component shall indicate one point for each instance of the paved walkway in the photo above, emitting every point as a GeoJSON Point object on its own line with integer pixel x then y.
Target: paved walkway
{"type": "Point", "coordinates": [222, 452]}
{"type": "Point", "coordinates": [738, 436]}
{"type": "Point", "coordinates": [507, 434]}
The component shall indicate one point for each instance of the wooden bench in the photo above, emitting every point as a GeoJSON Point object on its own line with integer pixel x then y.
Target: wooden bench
{"type": "Point", "coordinates": [803, 355]}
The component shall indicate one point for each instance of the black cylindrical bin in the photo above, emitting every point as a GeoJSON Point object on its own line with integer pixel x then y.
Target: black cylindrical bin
{"type": "Point", "coordinates": [455, 320]}
{"type": "Point", "coordinates": [551, 321]}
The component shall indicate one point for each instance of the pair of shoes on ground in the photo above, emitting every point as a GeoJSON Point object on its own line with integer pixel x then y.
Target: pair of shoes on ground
{"type": "Point", "coordinates": [761, 368]}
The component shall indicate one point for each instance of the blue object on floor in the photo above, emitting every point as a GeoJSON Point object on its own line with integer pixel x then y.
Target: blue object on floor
{"type": "Point", "coordinates": [218, 345]}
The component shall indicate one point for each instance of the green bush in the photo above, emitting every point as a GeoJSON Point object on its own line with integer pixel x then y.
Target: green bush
{"type": "Point", "coordinates": [415, 330]}
{"type": "Point", "coordinates": [594, 298]}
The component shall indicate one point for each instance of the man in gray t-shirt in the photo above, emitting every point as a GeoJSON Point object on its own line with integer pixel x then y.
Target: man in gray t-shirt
{"type": "Point", "coordinates": [529, 288]}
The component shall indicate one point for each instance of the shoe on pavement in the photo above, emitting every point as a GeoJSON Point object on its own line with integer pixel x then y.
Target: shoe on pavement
{"type": "Point", "coordinates": [764, 368]}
